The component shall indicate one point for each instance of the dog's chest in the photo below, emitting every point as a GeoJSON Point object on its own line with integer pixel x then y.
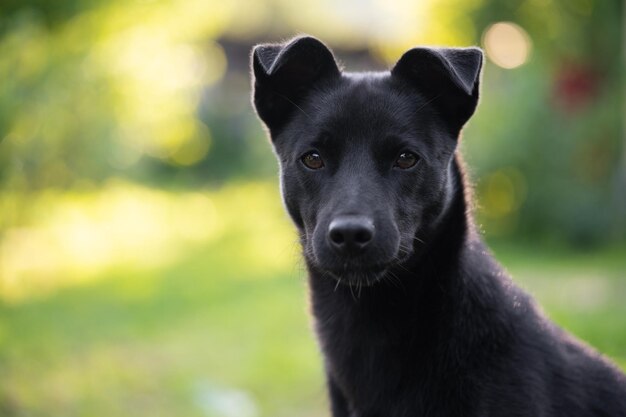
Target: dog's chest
{"type": "Point", "coordinates": [373, 361]}
{"type": "Point", "coordinates": [380, 361]}
{"type": "Point", "coordinates": [366, 365]}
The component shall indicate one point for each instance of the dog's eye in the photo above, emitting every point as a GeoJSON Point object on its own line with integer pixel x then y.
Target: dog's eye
{"type": "Point", "coordinates": [312, 160]}
{"type": "Point", "coordinates": [406, 160]}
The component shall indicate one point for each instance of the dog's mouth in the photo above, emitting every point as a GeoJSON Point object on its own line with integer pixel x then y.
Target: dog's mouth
{"type": "Point", "coordinates": [358, 276]}
{"type": "Point", "coordinates": [362, 269]}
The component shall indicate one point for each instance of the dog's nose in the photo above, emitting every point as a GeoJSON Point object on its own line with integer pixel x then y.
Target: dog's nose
{"type": "Point", "coordinates": [350, 233]}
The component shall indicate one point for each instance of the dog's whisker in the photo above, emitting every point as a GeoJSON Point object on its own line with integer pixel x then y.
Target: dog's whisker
{"type": "Point", "coordinates": [394, 280]}
{"type": "Point", "coordinates": [419, 240]}
{"type": "Point", "coordinates": [298, 107]}
{"type": "Point", "coordinates": [427, 102]}
{"type": "Point", "coordinates": [359, 287]}
{"type": "Point", "coordinates": [351, 292]}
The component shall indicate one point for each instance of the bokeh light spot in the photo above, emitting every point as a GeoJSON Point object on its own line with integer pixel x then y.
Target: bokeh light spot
{"type": "Point", "coordinates": [194, 149]}
{"type": "Point", "coordinates": [507, 44]}
{"type": "Point", "coordinates": [503, 192]}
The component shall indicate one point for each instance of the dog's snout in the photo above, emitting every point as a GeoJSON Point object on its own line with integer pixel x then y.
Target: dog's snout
{"type": "Point", "coordinates": [350, 233]}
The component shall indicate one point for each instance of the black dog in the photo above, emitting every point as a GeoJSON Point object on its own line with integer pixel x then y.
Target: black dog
{"type": "Point", "coordinates": [414, 316]}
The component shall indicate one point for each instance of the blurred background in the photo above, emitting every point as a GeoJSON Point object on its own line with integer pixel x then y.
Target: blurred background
{"type": "Point", "coordinates": [146, 264]}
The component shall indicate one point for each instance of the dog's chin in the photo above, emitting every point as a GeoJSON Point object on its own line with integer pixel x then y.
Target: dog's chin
{"type": "Point", "coordinates": [362, 277]}
{"type": "Point", "coordinates": [352, 273]}
{"type": "Point", "coordinates": [356, 271]}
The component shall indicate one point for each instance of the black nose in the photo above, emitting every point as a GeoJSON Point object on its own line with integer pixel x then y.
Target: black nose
{"type": "Point", "coordinates": [350, 233]}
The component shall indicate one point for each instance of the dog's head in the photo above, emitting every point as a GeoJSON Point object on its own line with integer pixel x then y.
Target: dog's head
{"type": "Point", "coordinates": [365, 159]}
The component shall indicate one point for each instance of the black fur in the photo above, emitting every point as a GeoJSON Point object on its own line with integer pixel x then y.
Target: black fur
{"type": "Point", "coordinates": [414, 317]}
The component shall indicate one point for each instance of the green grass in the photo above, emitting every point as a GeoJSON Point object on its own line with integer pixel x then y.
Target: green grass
{"type": "Point", "coordinates": [216, 324]}
{"type": "Point", "coordinates": [139, 344]}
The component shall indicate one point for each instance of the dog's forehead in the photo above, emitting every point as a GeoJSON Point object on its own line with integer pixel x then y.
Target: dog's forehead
{"type": "Point", "coordinates": [365, 103]}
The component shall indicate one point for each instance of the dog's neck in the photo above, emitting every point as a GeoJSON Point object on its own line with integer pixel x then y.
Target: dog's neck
{"type": "Point", "coordinates": [452, 228]}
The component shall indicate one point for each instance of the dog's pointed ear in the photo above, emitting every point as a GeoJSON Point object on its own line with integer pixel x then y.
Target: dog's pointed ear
{"type": "Point", "coordinates": [450, 77]}
{"type": "Point", "coordinates": [284, 74]}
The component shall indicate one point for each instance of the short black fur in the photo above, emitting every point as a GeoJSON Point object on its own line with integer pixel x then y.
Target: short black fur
{"type": "Point", "coordinates": [413, 315]}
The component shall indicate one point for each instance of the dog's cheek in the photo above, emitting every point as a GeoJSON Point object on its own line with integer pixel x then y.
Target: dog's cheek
{"type": "Point", "coordinates": [435, 205]}
{"type": "Point", "coordinates": [303, 202]}
{"type": "Point", "coordinates": [392, 239]}
{"type": "Point", "coordinates": [316, 245]}
{"type": "Point", "coordinates": [412, 211]}
{"type": "Point", "coordinates": [291, 196]}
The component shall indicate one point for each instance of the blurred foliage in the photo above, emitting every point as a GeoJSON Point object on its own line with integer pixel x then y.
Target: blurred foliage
{"type": "Point", "coordinates": [146, 266]}
{"type": "Point", "coordinates": [157, 92]}
{"type": "Point", "coordinates": [548, 144]}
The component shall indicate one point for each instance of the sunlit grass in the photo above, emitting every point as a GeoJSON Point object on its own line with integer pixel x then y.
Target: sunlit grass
{"type": "Point", "coordinates": [225, 313]}
{"type": "Point", "coordinates": [73, 237]}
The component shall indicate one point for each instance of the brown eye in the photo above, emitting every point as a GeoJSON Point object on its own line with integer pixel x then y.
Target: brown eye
{"type": "Point", "coordinates": [312, 160]}
{"type": "Point", "coordinates": [406, 160]}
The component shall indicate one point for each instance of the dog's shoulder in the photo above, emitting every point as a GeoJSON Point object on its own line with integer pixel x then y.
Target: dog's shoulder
{"type": "Point", "coordinates": [522, 348]}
